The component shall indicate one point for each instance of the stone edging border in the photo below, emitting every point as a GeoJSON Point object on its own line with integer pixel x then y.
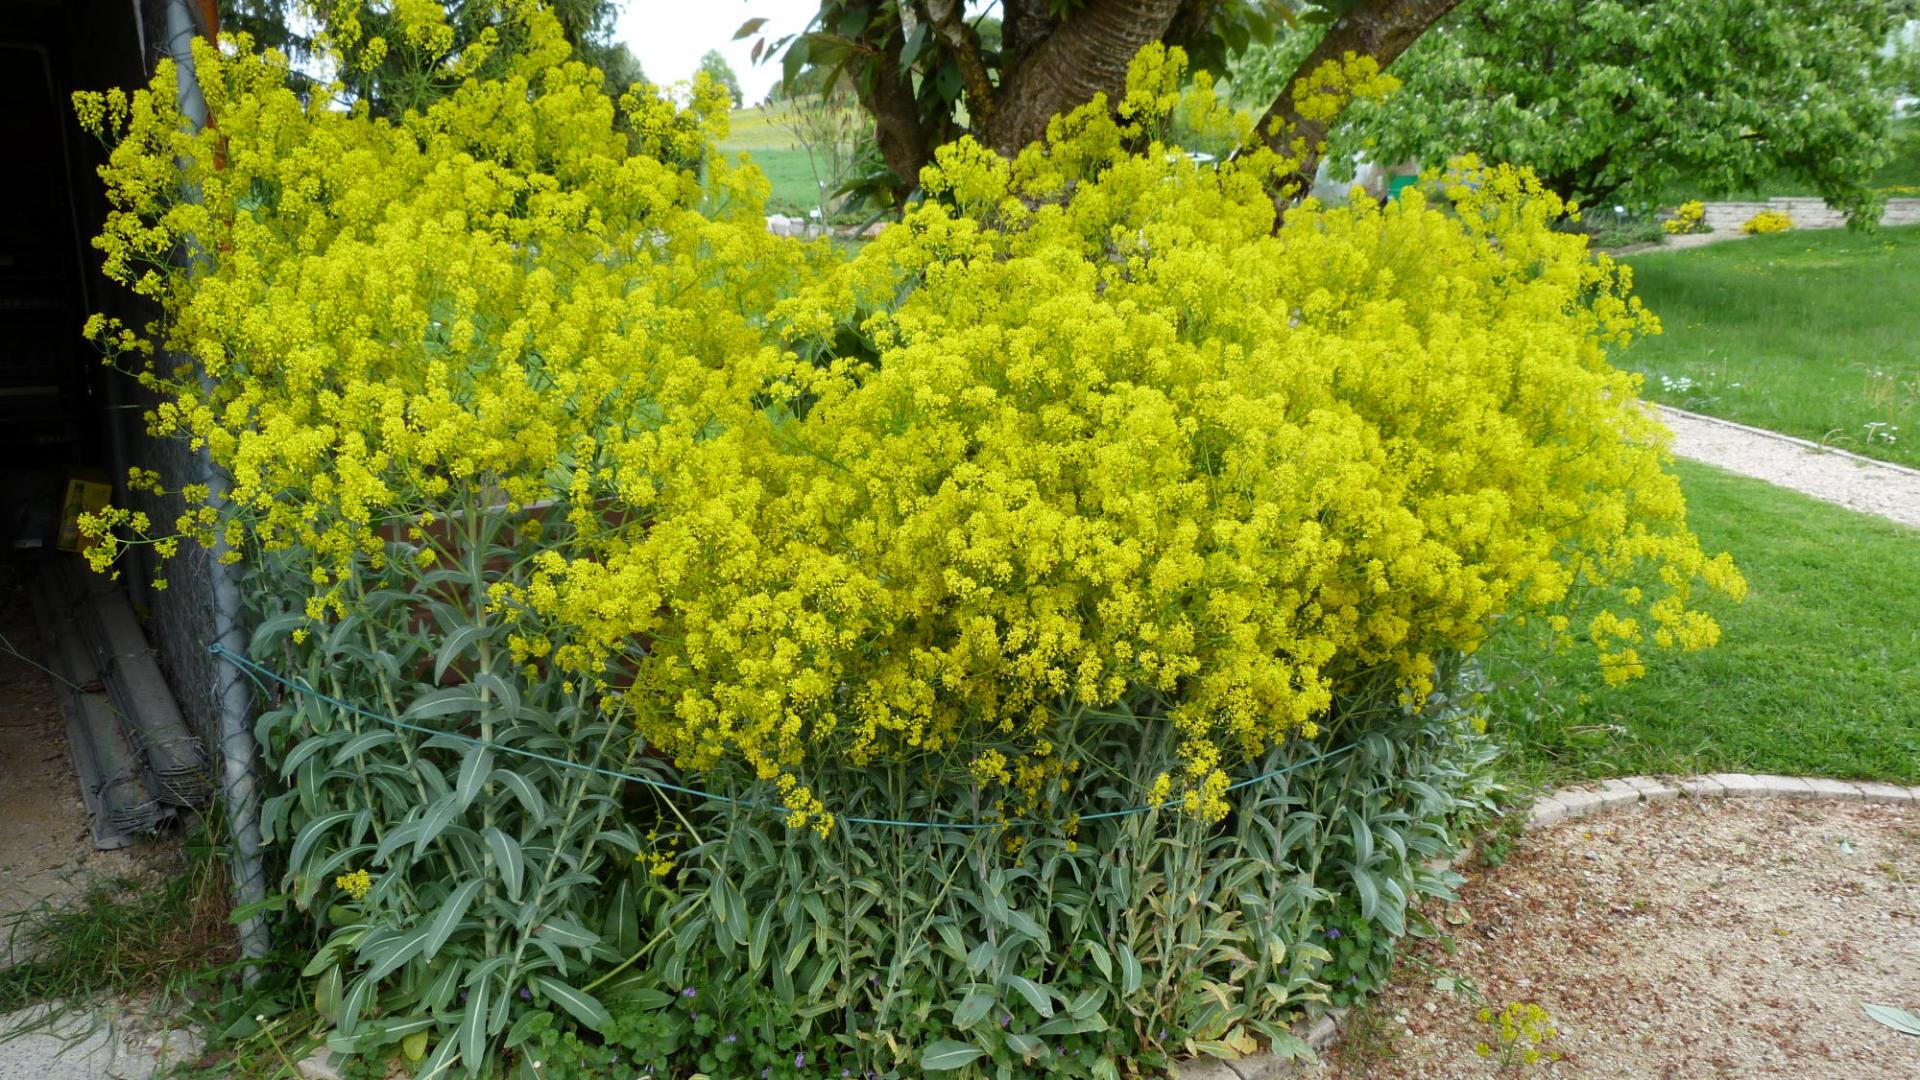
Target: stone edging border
{"type": "Point", "coordinates": [1565, 805]}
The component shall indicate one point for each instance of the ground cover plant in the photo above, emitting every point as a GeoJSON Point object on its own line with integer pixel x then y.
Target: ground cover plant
{"type": "Point", "coordinates": [1020, 648]}
{"type": "Point", "coordinates": [1818, 673]}
{"type": "Point", "coordinates": [1807, 333]}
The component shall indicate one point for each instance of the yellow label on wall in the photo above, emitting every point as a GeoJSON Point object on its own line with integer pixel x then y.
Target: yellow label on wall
{"type": "Point", "coordinates": [83, 497]}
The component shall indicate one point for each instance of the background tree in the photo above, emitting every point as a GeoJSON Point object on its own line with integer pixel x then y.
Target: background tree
{"type": "Point", "coordinates": [1620, 100]}
{"type": "Point", "coordinates": [927, 73]}
{"type": "Point", "coordinates": [1606, 98]}
{"type": "Point", "coordinates": [720, 71]}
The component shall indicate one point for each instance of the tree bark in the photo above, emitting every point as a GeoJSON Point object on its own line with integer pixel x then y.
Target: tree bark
{"type": "Point", "coordinates": [1086, 55]}
{"type": "Point", "coordinates": [885, 89]}
{"type": "Point", "coordinates": [1382, 29]}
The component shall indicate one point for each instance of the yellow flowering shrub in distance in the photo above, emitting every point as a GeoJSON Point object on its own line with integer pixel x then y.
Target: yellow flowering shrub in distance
{"type": "Point", "coordinates": [1767, 221]}
{"type": "Point", "coordinates": [1688, 218]}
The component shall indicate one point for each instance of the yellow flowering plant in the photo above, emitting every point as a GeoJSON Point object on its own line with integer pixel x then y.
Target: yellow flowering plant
{"type": "Point", "coordinates": [1083, 490]}
{"type": "Point", "coordinates": [1688, 218]}
{"type": "Point", "coordinates": [1767, 221]}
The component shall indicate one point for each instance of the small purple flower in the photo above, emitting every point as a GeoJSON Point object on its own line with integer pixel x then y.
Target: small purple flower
{"type": "Point", "coordinates": [1333, 932]}
{"type": "Point", "coordinates": [688, 992]}
{"type": "Point", "coordinates": [1005, 1019]}
{"type": "Point", "coordinates": [800, 1060]}
{"type": "Point", "coordinates": [526, 994]}
{"type": "Point", "coordinates": [731, 1038]}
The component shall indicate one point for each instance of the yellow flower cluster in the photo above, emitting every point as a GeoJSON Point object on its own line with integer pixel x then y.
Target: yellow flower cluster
{"type": "Point", "coordinates": [1081, 430]}
{"type": "Point", "coordinates": [1688, 218]}
{"type": "Point", "coordinates": [1521, 1031]}
{"type": "Point", "coordinates": [356, 884]}
{"type": "Point", "coordinates": [1766, 221]}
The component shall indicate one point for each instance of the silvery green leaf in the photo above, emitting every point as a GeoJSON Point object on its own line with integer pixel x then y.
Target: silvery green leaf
{"type": "Point", "coordinates": [448, 918]}
{"type": "Point", "coordinates": [584, 1007]}
{"type": "Point", "coordinates": [1898, 1019]}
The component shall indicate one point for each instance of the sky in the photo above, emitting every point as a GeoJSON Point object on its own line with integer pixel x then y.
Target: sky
{"type": "Point", "coordinates": [670, 36]}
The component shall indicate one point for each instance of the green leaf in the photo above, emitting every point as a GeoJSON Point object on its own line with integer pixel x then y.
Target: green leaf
{"type": "Point", "coordinates": [507, 858]}
{"type": "Point", "coordinates": [442, 1061]}
{"type": "Point", "coordinates": [945, 1055]}
{"type": "Point", "coordinates": [1100, 957]}
{"type": "Point", "coordinates": [567, 934]}
{"type": "Point", "coordinates": [581, 1004]}
{"type": "Point", "coordinates": [457, 643]}
{"type": "Point", "coordinates": [474, 767]}
{"type": "Point", "coordinates": [389, 955]}
{"type": "Point", "coordinates": [326, 994]}
{"type": "Point", "coordinates": [749, 28]}
{"type": "Point", "coordinates": [972, 1009]}
{"type": "Point", "coordinates": [1035, 994]}
{"type": "Point", "coordinates": [310, 834]}
{"type": "Point", "coordinates": [1899, 1020]}
{"type": "Point", "coordinates": [523, 790]}
{"type": "Point", "coordinates": [1363, 883]}
{"type": "Point", "coordinates": [414, 1046]}
{"type": "Point", "coordinates": [447, 701]}
{"type": "Point", "coordinates": [473, 1025]}
{"type": "Point", "coordinates": [278, 626]}
{"type": "Point", "coordinates": [448, 918]}
{"type": "Point", "coordinates": [1131, 976]}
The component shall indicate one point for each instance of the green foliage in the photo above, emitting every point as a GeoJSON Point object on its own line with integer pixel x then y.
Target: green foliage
{"type": "Point", "coordinates": [442, 877]}
{"type": "Point", "coordinates": [715, 67]}
{"type": "Point", "coordinates": [1147, 937]}
{"type": "Point", "coordinates": [1616, 100]}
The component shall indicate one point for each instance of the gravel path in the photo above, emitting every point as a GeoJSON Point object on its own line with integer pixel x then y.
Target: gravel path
{"type": "Point", "coordinates": [1836, 476]}
{"type": "Point", "coordinates": [1674, 941]}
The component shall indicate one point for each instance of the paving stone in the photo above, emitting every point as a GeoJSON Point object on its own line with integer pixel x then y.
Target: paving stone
{"type": "Point", "coordinates": [1739, 783]}
{"type": "Point", "coordinates": [1547, 810]}
{"type": "Point", "coordinates": [1702, 787]}
{"type": "Point", "coordinates": [1833, 789]}
{"type": "Point", "coordinates": [1653, 790]}
{"type": "Point", "coordinates": [1786, 787]}
{"type": "Point", "coordinates": [1581, 803]}
{"type": "Point", "coordinates": [1619, 793]}
{"type": "Point", "coordinates": [1875, 791]}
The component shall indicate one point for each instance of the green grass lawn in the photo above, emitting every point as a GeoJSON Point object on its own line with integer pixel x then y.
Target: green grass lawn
{"type": "Point", "coordinates": [757, 128]}
{"type": "Point", "coordinates": [758, 133]}
{"type": "Point", "coordinates": [1816, 673]}
{"type": "Point", "coordinates": [1816, 334]}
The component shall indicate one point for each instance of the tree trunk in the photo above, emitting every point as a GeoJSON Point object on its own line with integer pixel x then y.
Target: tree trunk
{"type": "Point", "coordinates": [1382, 29]}
{"type": "Point", "coordinates": [1086, 55]}
{"type": "Point", "coordinates": [885, 89]}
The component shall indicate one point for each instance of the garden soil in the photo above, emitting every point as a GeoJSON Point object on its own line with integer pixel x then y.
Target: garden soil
{"type": "Point", "coordinates": [1684, 940]}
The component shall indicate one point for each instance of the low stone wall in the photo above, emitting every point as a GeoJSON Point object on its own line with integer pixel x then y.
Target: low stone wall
{"type": "Point", "coordinates": [1806, 212]}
